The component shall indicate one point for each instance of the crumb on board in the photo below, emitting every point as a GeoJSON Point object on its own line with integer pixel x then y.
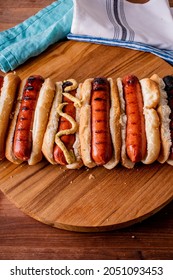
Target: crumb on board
{"type": "Point", "coordinates": [91, 176]}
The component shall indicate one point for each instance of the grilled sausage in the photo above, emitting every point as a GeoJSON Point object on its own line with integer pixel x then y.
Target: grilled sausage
{"type": "Point", "coordinates": [23, 132]}
{"type": "Point", "coordinates": [101, 146]}
{"type": "Point", "coordinates": [135, 131]}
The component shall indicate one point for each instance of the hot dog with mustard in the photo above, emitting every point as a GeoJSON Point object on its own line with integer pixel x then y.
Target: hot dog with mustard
{"type": "Point", "coordinates": [61, 143]}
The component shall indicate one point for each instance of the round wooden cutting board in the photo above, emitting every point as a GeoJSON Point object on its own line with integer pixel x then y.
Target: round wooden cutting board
{"type": "Point", "coordinates": [95, 199]}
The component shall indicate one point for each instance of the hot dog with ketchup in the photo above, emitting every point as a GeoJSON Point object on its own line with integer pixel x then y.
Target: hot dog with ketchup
{"type": "Point", "coordinates": [25, 136]}
{"type": "Point", "coordinates": [99, 128]}
{"type": "Point", "coordinates": [8, 91]}
{"type": "Point", "coordinates": [61, 143]}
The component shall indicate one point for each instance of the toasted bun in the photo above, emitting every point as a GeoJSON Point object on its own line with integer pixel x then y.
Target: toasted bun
{"type": "Point", "coordinates": [52, 127]}
{"type": "Point", "coordinates": [115, 127]}
{"type": "Point", "coordinates": [125, 161]}
{"type": "Point", "coordinates": [39, 124]}
{"type": "Point", "coordinates": [51, 130]}
{"type": "Point", "coordinates": [9, 141]}
{"type": "Point", "coordinates": [85, 124]}
{"type": "Point", "coordinates": [41, 117]}
{"type": "Point", "coordinates": [8, 94]}
{"type": "Point", "coordinates": [170, 161]}
{"type": "Point", "coordinates": [164, 113]}
{"type": "Point", "coordinates": [151, 97]}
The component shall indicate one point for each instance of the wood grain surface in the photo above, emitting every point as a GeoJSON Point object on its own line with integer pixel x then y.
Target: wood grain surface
{"type": "Point", "coordinates": [95, 199]}
{"type": "Point", "coordinates": [24, 238]}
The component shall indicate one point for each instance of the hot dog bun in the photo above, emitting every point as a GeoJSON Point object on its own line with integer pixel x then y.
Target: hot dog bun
{"type": "Point", "coordinates": [85, 133]}
{"type": "Point", "coordinates": [164, 113]}
{"type": "Point", "coordinates": [52, 129]}
{"type": "Point", "coordinates": [151, 97]}
{"type": "Point", "coordinates": [7, 97]}
{"type": "Point", "coordinates": [41, 115]}
{"type": "Point", "coordinates": [49, 136]}
{"type": "Point", "coordinates": [125, 161]}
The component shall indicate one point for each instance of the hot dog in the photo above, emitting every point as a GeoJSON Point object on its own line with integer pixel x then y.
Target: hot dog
{"type": "Point", "coordinates": [165, 111]}
{"type": "Point", "coordinates": [139, 120]}
{"type": "Point", "coordinates": [25, 137]}
{"type": "Point", "coordinates": [61, 141]}
{"type": "Point", "coordinates": [99, 128]}
{"type": "Point", "coordinates": [8, 90]}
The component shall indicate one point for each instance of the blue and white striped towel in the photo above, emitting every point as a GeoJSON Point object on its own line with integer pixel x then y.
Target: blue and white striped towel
{"type": "Point", "coordinates": [35, 34]}
{"type": "Point", "coordinates": [146, 27]}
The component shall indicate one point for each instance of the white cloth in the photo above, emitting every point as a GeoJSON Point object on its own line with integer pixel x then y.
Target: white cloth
{"type": "Point", "coordinates": [119, 21]}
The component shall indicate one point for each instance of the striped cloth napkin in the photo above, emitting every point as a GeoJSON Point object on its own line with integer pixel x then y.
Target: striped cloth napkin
{"type": "Point", "coordinates": [146, 27]}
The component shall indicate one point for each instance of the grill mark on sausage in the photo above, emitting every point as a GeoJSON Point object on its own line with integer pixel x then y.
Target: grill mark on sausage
{"type": "Point", "coordinates": [28, 98]}
{"type": "Point", "coordinates": [22, 118]}
{"type": "Point", "coordinates": [101, 143]}
{"type": "Point", "coordinates": [100, 110]}
{"type": "Point", "coordinates": [25, 108]}
{"type": "Point", "coordinates": [20, 128]}
{"type": "Point", "coordinates": [28, 88]}
{"type": "Point", "coordinates": [100, 121]}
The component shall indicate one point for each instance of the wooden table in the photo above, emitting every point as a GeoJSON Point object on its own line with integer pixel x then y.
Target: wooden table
{"type": "Point", "coordinates": [22, 237]}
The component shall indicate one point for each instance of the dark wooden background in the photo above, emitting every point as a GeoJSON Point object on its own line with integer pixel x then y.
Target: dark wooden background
{"type": "Point", "coordinates": [21, 237]}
